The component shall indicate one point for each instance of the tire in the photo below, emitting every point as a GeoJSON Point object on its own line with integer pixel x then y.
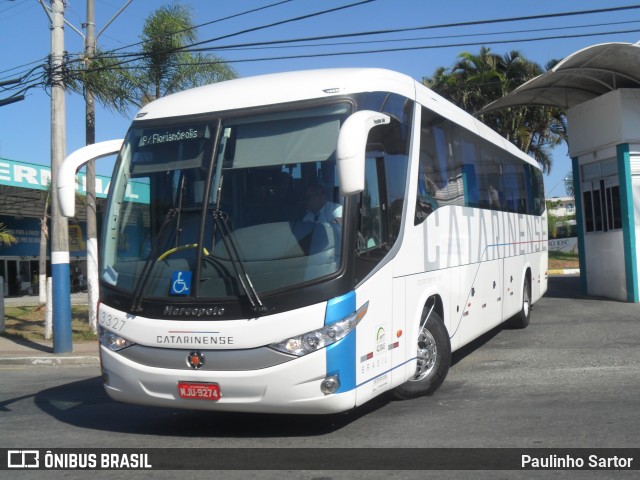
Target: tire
{"type": "Point", "coordinates": [434, 359]}
{"type": "Point", "coordinates": [521, 319]}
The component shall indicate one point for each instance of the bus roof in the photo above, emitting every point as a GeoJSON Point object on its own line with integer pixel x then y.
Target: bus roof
{"type": "Point", "coordinates": [277, 88]}
{"type": "Point", "coordinates": [271, 89]}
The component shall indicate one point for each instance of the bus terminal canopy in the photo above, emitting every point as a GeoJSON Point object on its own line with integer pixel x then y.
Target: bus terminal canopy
{"type": "Point", "coordinates": [582, 76]}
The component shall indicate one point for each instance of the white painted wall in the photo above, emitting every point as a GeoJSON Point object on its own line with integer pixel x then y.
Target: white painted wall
{"type": "Point", "coordinates": [605, 121]}
{"type": "Point", "coordinates": [606, 275]}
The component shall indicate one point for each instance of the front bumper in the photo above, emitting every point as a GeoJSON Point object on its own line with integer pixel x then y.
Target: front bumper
{"type": "Point", "coordinates": [290, 387]}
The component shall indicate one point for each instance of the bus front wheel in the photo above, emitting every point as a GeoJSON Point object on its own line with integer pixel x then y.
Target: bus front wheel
{"type": "Point", "coordinates": [433, 360]}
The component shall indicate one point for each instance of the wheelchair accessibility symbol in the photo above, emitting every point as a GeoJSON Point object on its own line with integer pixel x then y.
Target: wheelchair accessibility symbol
{"type": "Point", "coordinates": [180, 283]}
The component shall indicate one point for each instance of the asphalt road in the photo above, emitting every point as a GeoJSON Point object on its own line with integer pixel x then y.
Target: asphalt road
{"type": "Point", "coordinates": [571, 379]}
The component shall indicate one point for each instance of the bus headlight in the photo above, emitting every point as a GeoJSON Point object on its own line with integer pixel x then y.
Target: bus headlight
{"type": "Point", "coordinates": [315, 340]}
{"type": "Point", "coordinates": [112, 341]}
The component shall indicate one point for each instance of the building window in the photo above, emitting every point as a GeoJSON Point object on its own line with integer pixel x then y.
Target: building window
{"type": "Point", "coordinates": [601, 197]}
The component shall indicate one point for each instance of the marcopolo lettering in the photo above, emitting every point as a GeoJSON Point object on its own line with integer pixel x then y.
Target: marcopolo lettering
{"type": "Point", "coordinates": [193, 311]}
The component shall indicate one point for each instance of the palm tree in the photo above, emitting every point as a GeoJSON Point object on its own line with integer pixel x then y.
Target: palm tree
{"type": "Point", "coordinates": [476, 80]}
{"type": "Point", "coordinates": [163, 68]}
{"type": "Point", "coordinates": [166, 67]}
{"type": "Point", "coordinates": [5, 236]}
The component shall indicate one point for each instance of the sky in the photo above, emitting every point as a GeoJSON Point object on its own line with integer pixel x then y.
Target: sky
{"type": "Point", "coordinates": [25, 40]}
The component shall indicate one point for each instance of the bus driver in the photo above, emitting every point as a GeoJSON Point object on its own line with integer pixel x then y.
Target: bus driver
{"type": "Point", "coordinates": [320, 210]}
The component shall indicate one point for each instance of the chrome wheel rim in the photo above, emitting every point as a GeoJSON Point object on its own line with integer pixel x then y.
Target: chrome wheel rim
{"type": "Point", "coordinates": [427, 355]}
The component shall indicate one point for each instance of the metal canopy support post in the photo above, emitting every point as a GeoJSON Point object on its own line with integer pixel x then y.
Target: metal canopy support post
{"type": "Point", "coordinates": [579, 225]}
{"type": "Point", "coordinates": [628, 222]}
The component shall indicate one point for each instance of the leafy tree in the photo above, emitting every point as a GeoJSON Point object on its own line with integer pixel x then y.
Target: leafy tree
{"type": "Point", "coordinates": [477, 80]}
{"type": "Point", "coordinates": [553, 221]}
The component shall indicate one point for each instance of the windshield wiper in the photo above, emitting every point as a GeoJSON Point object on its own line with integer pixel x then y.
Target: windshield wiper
{"type": "Point", "coordinates": [220, 219]}
{"type": "Point", "coordinates": [151, 261]}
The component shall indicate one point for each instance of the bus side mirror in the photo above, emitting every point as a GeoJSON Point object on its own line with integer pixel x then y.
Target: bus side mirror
{"type": "Point", "coordinates": [352, 144]}
{"type": "Point", "coordinates": [66, 180]}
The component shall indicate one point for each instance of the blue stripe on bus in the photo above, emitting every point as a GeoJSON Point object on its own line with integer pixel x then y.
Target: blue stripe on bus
{"type": "Point", "coordinates": [341, 361]}
{"type": "Point", "coordinates": [340, 307]}
{"type": "Point", "coordinates": [341, 356]}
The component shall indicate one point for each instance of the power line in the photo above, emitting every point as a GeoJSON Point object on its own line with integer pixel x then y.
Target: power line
{"type": "Point", "coordinates": [281, 22]}
{"type": "Point", "coordinates": [25, 71]}
{"type": "Point", "coordinates": [422, 47]}
{"type": "Point", "coordinates": [236, 15]}
{"type": "Point", "coordinates": [135, 56]}
{"type": "Point", "coordinates": [229, 17]}
{"type": "Point", "coordinates": [429, 47]}
{"type": "Point", "coordinates": [253, 29]}
{"type": "Point", "coordinates": [436, 26]}
{"type": "Point", "coordinates": [132, 57]}
{"type": "Point", "coordinates": [267, 45]}
{"type": "Point", "coordinates": [425, 47]}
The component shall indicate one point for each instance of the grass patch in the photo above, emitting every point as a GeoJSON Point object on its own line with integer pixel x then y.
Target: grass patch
{"type": "Point", "coordinates": [562, 260]}
{"type": "Point", "coordinates": [27, 323]}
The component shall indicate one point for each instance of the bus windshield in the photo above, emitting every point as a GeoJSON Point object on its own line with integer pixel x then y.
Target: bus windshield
{"type": "Point", "coordinates": [190, 218]}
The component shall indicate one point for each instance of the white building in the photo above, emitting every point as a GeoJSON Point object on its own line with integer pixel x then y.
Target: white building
{"type": "Point", "coordinates": [562, 206]}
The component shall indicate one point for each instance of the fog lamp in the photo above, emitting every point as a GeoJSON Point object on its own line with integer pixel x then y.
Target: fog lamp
{"type": "Point", "coordinates": [330, 384]}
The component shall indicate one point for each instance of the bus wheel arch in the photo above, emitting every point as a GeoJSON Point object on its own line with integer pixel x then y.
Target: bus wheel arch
{"type": "Point", "coordinates": [433, 352]}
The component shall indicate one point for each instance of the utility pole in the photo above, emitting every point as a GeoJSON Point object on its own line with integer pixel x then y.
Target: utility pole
{"type": "Point", "coordinates": [60, 232]}
{"type": "Point", "coordinates": [90, 138]}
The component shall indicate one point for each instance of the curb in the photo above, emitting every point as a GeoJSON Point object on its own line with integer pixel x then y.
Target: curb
{"type": "Point", "coordinates": [40, 361]}
{"type": "Point", "coordinates": [566, 271]}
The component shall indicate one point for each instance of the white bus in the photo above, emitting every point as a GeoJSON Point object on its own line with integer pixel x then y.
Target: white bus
{"type": "Point", "coordinates": [303, 242]}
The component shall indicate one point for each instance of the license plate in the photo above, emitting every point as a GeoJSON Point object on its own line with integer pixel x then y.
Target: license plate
{"type": "Point", "coordinates": [199, 391]}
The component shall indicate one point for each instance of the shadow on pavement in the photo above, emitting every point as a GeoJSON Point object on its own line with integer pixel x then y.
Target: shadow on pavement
{"type": "Point", "coordinates": [565, 287]}
{"type": "Point", "coordinates": [28, 343]}
{"type": "Point", "coordinates": [85, 404]}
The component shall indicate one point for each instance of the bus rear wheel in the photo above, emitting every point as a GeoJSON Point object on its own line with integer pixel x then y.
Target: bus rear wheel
{"type": "Point", "coordinates": [433, 360]}
{"type": "Point", "coordinates": [521, 319]}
